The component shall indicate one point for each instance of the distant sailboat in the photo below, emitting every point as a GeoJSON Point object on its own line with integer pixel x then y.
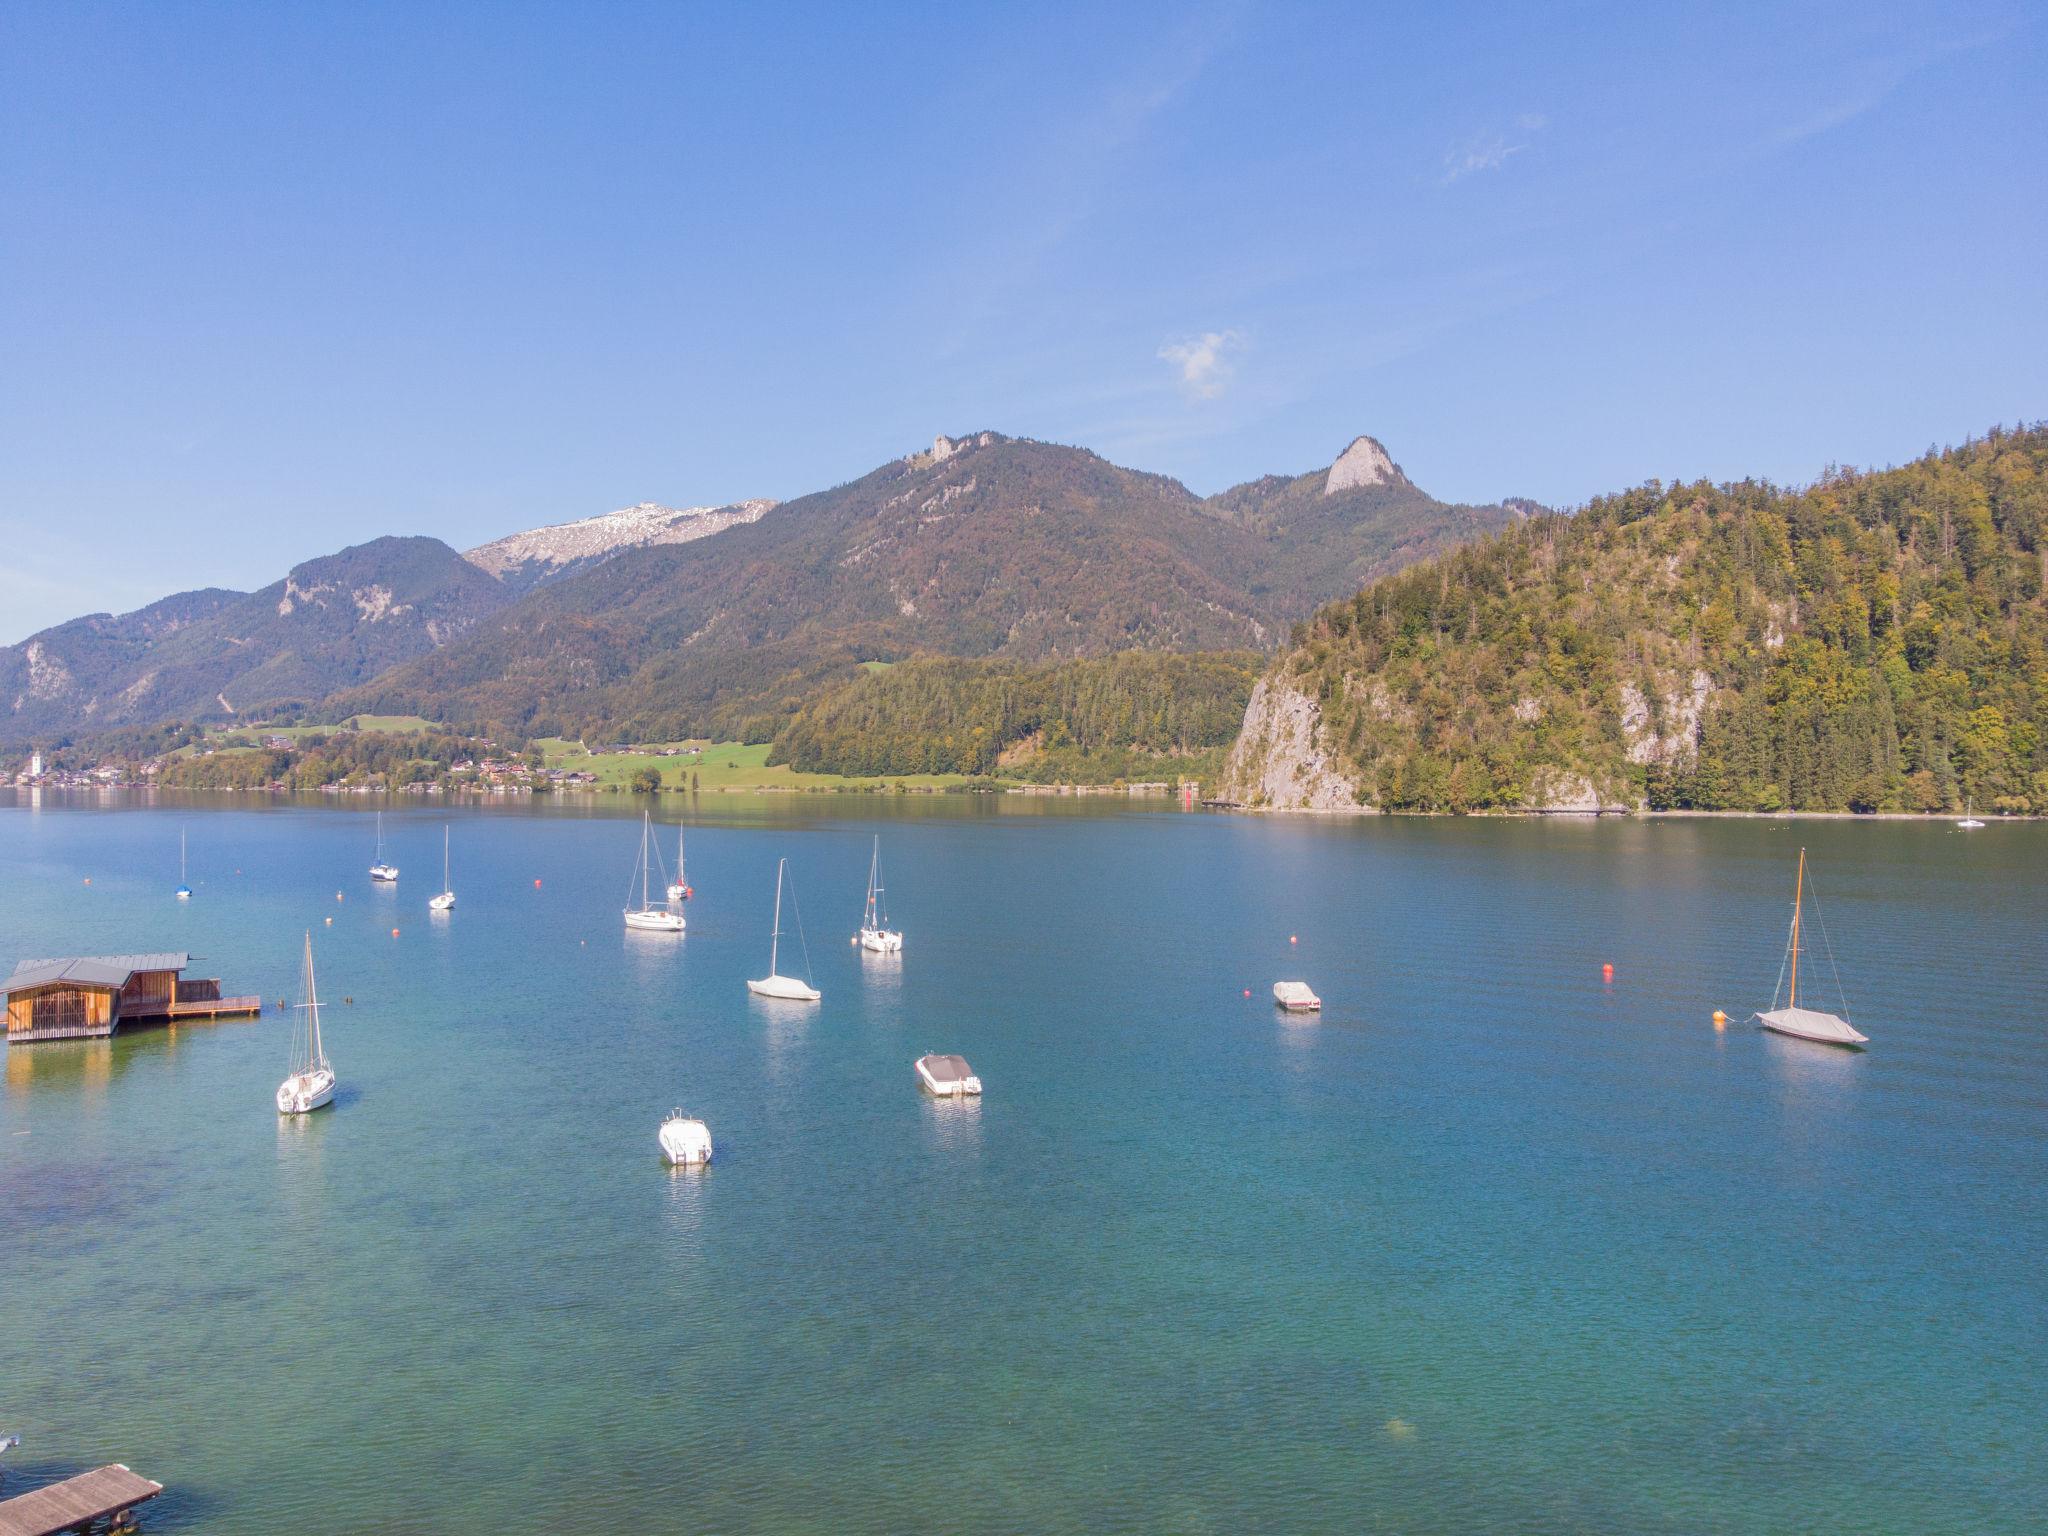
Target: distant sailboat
{"type": "Point", "coordinates": [312, 1081]}
{"type": "Point", "coordinates": [647, 916]}
{"type": "Point", "coordinates": [1807, 1023]}
{"type": "Point", "coordinates": [446, 899]}
{"type": "Point", "coordinates": [1969, 823]}
{"type": "Point", "coordinates": [875, 934]}
{"type": "Point", "coordinates": [381, 870]}
{"type": "Point", "coordinates": [775, 984]}
{"type": "Point", "coordinates": [679, 888]}
{"type": "Point", "coordinates": [184, 890]}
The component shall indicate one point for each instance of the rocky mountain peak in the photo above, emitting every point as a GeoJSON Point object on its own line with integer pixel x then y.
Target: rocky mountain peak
{"type": "Point", "coordinates": [1364, 463]}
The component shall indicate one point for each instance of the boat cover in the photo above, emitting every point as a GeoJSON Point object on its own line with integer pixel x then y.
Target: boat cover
{"type": "Point", "coordinates": [1812, 1024]}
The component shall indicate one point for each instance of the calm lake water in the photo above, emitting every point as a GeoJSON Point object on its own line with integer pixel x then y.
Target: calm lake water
{"type": "Point", "coordinates": [1492, 1247]}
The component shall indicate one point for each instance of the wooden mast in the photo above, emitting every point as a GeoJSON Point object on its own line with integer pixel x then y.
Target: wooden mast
{"type": "Point", "coordinates": [1798, 890]}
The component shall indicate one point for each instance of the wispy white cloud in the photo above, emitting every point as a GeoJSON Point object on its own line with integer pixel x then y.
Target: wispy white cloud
{"type": "Point", "coordinates": [1203, 362]}
{"type": "Point", "coordinates": [1490, 151]}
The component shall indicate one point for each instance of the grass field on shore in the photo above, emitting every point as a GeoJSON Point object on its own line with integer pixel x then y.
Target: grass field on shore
{"type": "Point", "coordinates": [725, 767]}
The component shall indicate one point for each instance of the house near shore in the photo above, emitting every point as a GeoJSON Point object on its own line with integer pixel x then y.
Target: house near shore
{"type": "Point", "coordinates": [91, 996]}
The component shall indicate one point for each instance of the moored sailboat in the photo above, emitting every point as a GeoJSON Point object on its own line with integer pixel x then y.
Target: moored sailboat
{"type": "Point", "coordinates": [679, 888]}
{"type": "Point", "coordinates": [648, 917]}
{"type": "Point", "coordinates": [875, 935]}
{"type": "Point", "coordinates": [775, 984]}
{"type": "Point", "coordinates": [381, 870]}
{"type": "Point", "coordinates": [446, 899]}
{"type": "Point", "coordinates": [184, 890]}
{"type": "Point", "coordinates": [312, 1081]}
{"type": "Point", "coordinates": [1807, 1023]}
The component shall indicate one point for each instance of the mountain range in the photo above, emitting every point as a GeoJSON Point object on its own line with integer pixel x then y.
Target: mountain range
{"type": "Point", "coordinates": [659, 622]}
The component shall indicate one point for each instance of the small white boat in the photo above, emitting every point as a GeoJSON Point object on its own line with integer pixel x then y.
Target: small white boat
{"type": "Point", "coordinates": [876, 936]}
{"type": "Point", "coordinates": [647, 917]}
{"type": "Point", "coordinates": [1807, 1023]}
{"type": "Point", "coordinates": [1969, 823]}
{"type": "Point", "coordinates": [775, 984]}
{"type": "Point", "coordinates": [446, 899]}
{"type": "Point", "coordinates": [685, 1142]}
{"type": "Point", "coordinates": [947, 1076]}
{"type": "Point", "coordinates": [679, 888]}
{"type": "Point", "coordinates": [1295, 997]}
{"type": "Point", "coordinates": [381, 870]}
{"type": "Point", "coordinates": [184, 891]}
{"type": "Point", "coordinates": [312, 1081]}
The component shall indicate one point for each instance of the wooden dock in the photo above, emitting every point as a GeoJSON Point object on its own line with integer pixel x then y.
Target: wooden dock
{"type": "Point", "coordinates": [76, 1504]}
{"type": "Point", "coordinates": [216, 1008]}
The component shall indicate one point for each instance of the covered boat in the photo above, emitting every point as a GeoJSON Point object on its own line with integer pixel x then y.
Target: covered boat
{"type": "Point", "coordinates": [1807, 1023]}
{"type": "Point", "coordinates": [1295, 997]}
{"type": "Point", "coordinates": [948, 1076]}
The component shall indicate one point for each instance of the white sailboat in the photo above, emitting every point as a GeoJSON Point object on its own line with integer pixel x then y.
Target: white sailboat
{"type": "Point", "coordinates": [647, 916]}
{"type": "Point", "coordinates": [679, 888]}
{"type": "Point", "coordinates": [875, 934]}
{"type": "Point", "coordinates": [381, 870]}
{"type": "Point", "coordinates": [184, 890]}
{"type": "Point", "coordinates": [312, 1081]}
{"type": "Point", "coordinates": [446, 899]}
{"type": "Point", "coordinates": [775, 984]}
{"type": "Point", "coordinates": [1807, 1023]}
{"type": "Point", "coordinates": [1969, 823]}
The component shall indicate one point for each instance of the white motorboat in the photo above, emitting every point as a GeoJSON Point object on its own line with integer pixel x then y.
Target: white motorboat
{"type": "Point", "coordinates": [1807, 1023]}
{"type": "Point", "coordinates": [184, 890]}
{"type": "Point", "coordinates": [875, 935]}
{"type": "Point", "coordinates": [1295, 997]}
{"type": "Point", "coordinates": [1969, 823]}
{"type": "Point", "coordinates": [647, 917]}
{"type": "Point", "coordinates": [679, 888]}
{"type": "Point", "coordinates": [947, 1076]}
{"type": "Point", "coordinates": [685, 1142]}
{"type": "Point", "coordinates": [446, 899]}
{"type": "Point", "coordinates": [312, 1081]}
{"type": "Point", "coordinates": [380, 870]}
{"type": "Point", "coordinates": [775, 984]}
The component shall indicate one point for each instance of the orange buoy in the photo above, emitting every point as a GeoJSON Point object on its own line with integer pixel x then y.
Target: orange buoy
{"type": "Point", "coordinates": [1720, 1019]}
{"type": "Point", "coordinates": [1292, 939]}
{"type": "Point", "coordinates": [1247, 991]}
{"type": "Point", "coordinates": [536, 885]}
{"type": "Point", "coordinates": [1607, 973]}
{"type": "Point", "coordinates": [394, 933]}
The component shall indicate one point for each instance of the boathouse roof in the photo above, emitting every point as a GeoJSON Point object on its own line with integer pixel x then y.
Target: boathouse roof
{"type": "Point", "coordinates": [93, 970]}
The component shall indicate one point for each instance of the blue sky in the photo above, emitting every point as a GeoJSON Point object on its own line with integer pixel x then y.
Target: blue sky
{"type": "Point", "coordinates": [275, 279]}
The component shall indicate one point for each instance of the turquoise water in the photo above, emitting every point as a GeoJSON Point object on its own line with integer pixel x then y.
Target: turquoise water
{"type": "Point", "coordinates": [1492, 1247]}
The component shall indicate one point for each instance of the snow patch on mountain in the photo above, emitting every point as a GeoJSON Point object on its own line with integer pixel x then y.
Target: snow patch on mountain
{"type": "Point", "coordinates": [542, 553]}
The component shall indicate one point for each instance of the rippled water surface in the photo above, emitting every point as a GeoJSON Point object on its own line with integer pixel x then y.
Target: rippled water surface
{"type": "Point", "coordinates": [1493, 1246]}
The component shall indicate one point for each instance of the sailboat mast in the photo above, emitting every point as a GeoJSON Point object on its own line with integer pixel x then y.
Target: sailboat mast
{"type": "Point", "coordinates": [1798, 891]}
{"type": "Point", "coordinates": [319, 1055]}
{"type": "Point", "coordinates": [181, 864]}
{"type": "Point", "coordinates": [644, 834]}
{"type": "Point", "coordinates": [444, 857]}
{"type": "Point", "coordinates": [874, 867]}
{"type": "Point", "coordinates": [775, 936]}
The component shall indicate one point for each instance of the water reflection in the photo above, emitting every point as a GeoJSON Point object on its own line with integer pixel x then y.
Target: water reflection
{"type": "Point", "coordinates": [953, 1125]}
{"type": "Point", "coordinates": [881, 974]}
{"type": "Point", "coordinates": [785, 1028]}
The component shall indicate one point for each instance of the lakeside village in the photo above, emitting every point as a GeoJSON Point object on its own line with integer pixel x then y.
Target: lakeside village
{"type": "Point", "coordinates": [345, 761]}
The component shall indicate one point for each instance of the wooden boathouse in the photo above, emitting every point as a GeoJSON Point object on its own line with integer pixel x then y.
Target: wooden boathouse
{"type": "Point", "coordinates": [90, 996]}
{"type": "Point", "coordinates": [79, 1503]}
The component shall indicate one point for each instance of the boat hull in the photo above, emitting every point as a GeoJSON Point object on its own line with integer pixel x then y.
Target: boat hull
{"type": "Point", "coordinates": [304, 1092]}
{"type": "Point", "coordinates": [880, 941]}
{"type": "Point", "coordinates": [968, 1086]}
{"type": "Point", "coordinates": [686, 1143]}
{"type": "Point", "coordinates": [654, 920]}
{"type": "Point", "coordinates": [788, 988]}
{"type": "Point", "coordinates": [445, 902]}
{"type": "Point", "coordinates": [385, 874]}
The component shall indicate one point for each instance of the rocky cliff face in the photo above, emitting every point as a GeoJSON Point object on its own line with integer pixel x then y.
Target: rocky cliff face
{"type": "Point", "coordinates": [1278, 764]}
{"type": "Point", "coordinates": [1364, 463]}
{"type": "Point", "coordinates": [526, 560]}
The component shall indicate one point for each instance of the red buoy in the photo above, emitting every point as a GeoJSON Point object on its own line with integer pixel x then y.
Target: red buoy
{"type": "Point", "coordinates": [394, 933]}
{"type": "Point", "coordinates": [536, 885]}
{"type": "Point", "coordinates": [1247, 991]}
{"type": "Point", "coordinates": [1607, 972]}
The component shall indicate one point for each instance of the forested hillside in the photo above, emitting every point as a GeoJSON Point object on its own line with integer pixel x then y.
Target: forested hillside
{"type": "Point", "coordinates": [1878, 641]}
{"type": "Point", "coordinates": [1136, 715]}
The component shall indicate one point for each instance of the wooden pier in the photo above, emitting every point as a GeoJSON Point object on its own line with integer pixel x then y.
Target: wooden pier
{"type": "Point", "coordinates": [216, 1008]}
{"type": "Point", "coordinates": [78, 1503]}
